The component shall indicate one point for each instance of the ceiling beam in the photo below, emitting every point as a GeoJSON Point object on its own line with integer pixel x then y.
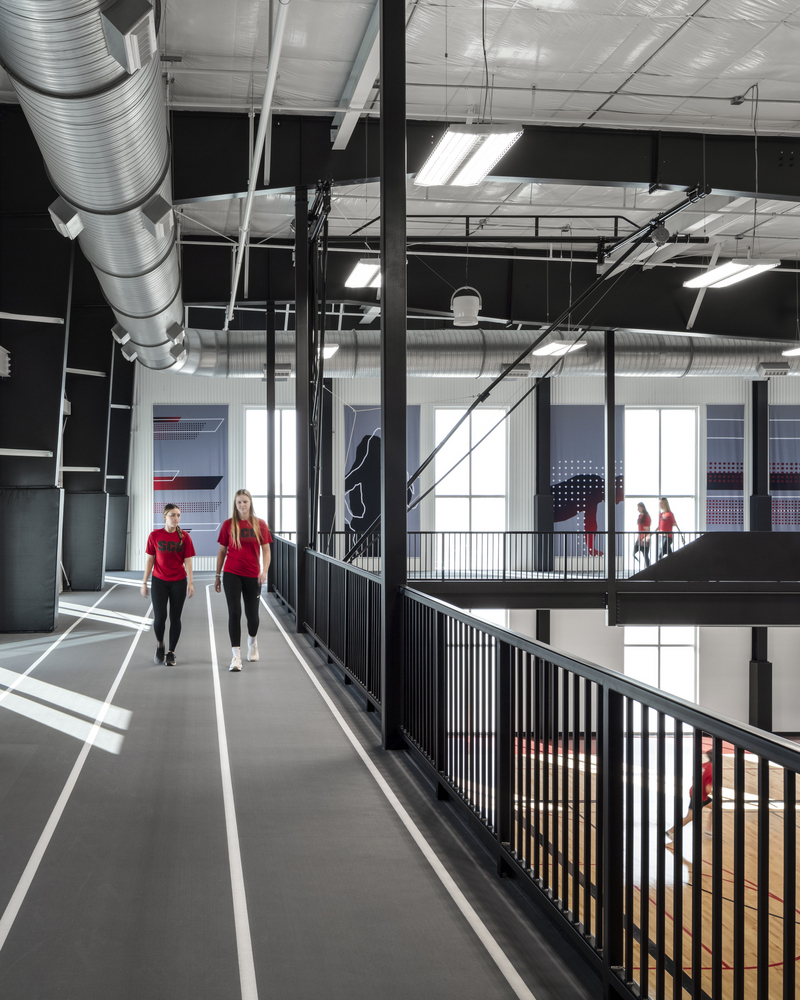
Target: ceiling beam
{"type": "Point", "coordinates": [359, 84]}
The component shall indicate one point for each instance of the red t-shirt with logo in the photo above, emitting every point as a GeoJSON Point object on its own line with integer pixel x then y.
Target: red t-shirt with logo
{"type": "Point", "coordinates": [169, 552]}
{"type": "Point", "coordinates": [666, 521]}
{"type": "Point", "coordinates": [245, 560]}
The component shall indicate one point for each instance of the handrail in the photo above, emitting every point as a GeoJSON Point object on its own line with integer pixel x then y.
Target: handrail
{"type": "Point", "coordinates": [765, 744]}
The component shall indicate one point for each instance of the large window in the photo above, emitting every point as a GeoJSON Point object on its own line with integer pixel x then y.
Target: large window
{"type": "Point", "coordinates": [257, 473]}
{"type": "Point", "coordinates": [473, 496]}
{"type": "Point", "coordinates": [664, 657]}
{"type": "Point", "coordinates": [661, 461]}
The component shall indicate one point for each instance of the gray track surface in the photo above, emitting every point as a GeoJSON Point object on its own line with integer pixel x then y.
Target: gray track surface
{"type": "Point", "coordinates": [132, 900]}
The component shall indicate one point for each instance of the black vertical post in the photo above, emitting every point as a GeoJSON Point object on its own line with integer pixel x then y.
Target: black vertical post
{"type": "Point", "coordinates": [327, 501]}
{"type": "Point", "coordinates": [503, 762]}
{"type": "Point", "coordinates": [269, 374]}
{"type": "Point", "coordinates": [393, 361]}
{"type": "Point", "coordinates": [613, 785]}
{"type": "Point", "coordinates": [543, 625]}
{"type": "Point", "coordinates": [760, 681]}
{"type": "Point", "coordinates": [543, 511]}
{"type": "Point", "coordinates": [611, 478]}
{"type": "Point", "coordinates": [302, 349]}
{"type": "Point", "coordinates": [760, 499]}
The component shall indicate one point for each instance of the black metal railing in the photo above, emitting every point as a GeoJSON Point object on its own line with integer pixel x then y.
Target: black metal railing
{"type": "Point", "coordinates": [284, 556]}
{"type": "Point", "coordinates": [573, 775]}
{"type": "Point", "coordinates": [638, 550]}
{"type": "Point", "coordinates": [343, 613]}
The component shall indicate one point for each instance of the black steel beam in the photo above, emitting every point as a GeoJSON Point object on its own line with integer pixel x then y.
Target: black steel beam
{"type": "Point", "coordinates": [393, 362]}
{"type": "Point", "coordinates": [610, 418]}
{"type": "Point", "coordinates": [302, 395]}
{"type": "Point", "coordinates": [760, 499]}
{"type": "Point", "coordinates": [543, 507]}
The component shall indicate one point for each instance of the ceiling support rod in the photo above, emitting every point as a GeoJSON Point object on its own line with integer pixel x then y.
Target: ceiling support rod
{"type": "Point", "coordinates": [264, 121]}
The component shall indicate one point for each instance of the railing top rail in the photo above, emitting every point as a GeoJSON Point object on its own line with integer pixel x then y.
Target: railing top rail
{"type": "Point", "coordinates": [776, 748]}
{"type": "Point", "coordinates": [340, 562]}
{"type": "Point", "coordinates": [280, 538]}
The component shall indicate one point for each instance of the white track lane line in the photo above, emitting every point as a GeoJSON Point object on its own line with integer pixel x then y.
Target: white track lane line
{"type": "Point", "coordinates": [244, 943]}
{"type": "Point", "coordinates": [27, 877]}
{"type": "Point", "coordinates": [485, 936]}
{"type": "Point", "coordinates": [50, 648]}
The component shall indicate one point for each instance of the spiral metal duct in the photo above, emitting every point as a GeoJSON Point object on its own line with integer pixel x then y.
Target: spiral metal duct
{"type": "Point", "coordinates": [483, 353]}
{"type": "Point", "coordinates": [88, 78]}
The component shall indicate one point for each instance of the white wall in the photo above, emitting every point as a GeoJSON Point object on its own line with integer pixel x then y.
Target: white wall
{"type": "Point", "coordinates": [783, 649]}
{"type": "Point", "coordinates": [580, 633]}
{"type": "Point", "coordinates": [723, 671]}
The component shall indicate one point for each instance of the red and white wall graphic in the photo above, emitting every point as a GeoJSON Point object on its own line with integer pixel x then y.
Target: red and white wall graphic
{"type": "Point", "coordinates": [190, 468]}
{"type": "Point", "coordinates": [725, 468]}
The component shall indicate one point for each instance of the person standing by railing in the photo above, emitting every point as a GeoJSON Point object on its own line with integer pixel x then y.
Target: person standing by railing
{"type": "Point", "coordinates": [666, 525]}
{"type": "Point", "coordinates": [642, 544]}
{"type": "Point", "coordinates": [244, 542]}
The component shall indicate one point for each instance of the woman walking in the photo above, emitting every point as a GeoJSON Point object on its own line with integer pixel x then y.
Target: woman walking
{"type": "Point", "coordinates": [169, 559]}
{"type": "Point", "coordinates": [244, 550]}
{"type": "Point", "coordinates": [666, 525]}
{"type": "Point", "coordinates": [642, 544]}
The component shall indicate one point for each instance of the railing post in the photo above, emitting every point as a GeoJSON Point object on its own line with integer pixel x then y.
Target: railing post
{"type": "Point", "coordinates": [502, 753]}
{"type": "Point", "coordinates": [611, 478]}
{"type": "Point", "coordinates": [440, 667]}
{"type": "Point", "coordinates": [302, 396]}
{"type": "Point", "coordinates": [613, 779]}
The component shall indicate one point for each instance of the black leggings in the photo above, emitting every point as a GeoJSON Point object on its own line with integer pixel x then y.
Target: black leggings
{"type": "Point", "coordinates": [237, 587]}
{"type": "Point", "coordinates": [173, 591]}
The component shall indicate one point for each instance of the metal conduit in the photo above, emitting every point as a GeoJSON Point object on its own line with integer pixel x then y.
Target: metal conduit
{"type": "Point", "coordinates": [88, 77]}
{"type": "Point", "coordinates": [483, 353]}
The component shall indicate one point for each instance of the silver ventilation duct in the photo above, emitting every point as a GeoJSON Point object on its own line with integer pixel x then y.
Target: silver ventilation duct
{"type": "Point", "coordinates": [88, 78]}
{"type": "Point", "coordinates": [484, 353]}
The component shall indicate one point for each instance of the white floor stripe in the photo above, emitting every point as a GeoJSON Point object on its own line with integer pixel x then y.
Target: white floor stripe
{"type": "Point", "coordinates": [50, 648]}
{"type": "Point", "coordinates": [27, 877]}
{"type": "Point", "coordinates": [483, 933]}
{"type": "Point", "coordinates": [244, 943]}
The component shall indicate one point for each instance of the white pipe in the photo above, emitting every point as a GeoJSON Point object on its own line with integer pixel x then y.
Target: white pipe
{"type": "Point", "coordinates": [263, 123]}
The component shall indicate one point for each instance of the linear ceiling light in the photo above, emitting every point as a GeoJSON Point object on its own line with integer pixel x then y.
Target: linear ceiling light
{"type": "Point", "coordinates": [329, 350]}
{"type": "Point", "coordinates": [466, 153]}
{"type": "Point", "coordinates": [366, 274]}
{"type": "Point", "coordinates": [730, 272]}
{"type": "Point", "coordinates": [558, 348]}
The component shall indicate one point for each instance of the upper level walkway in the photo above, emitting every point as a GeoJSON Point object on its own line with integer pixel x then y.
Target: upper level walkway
{"type": "Point", "coordinates": [186, 833]}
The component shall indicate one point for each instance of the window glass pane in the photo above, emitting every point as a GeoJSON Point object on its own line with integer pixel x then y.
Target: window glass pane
{"type": "Point", "coordinates": [452, 514]}
{"type": "Point", "coordinates": [256, 451]}
{"type": "Point", "coordinates": [682, 635]}
{"type": "Point", "coordinates": [489, 458]}
{"type": "Point", "coordinates": [489, 514]}
{"type": "Point", "coordinates": [641, 452]}
{"type": "Point", "coordinates": [458, 445]}
{"type": "Point", "coordinates": [636, 635]}
{"type": "Point", "coordinates": [497, 616]}
{"type": "Point", "coordinates": [288, 509]}
{"type": "Point", "coordinates": [677, 671]}
{"type": "Point", "coordinates": [288, 431]}
{"type": "Point", "coordinates": [678, 451]}
{"type": "Point", "coordinates": [641, 664]}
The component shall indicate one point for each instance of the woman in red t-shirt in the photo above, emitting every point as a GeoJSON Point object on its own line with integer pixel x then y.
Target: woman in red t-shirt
{"type": "Point", "coordinates": [707, 781]}
{"type": "Point", "coordinates": [666, 525]}
{"type": "Point", "coordinates": [244, 549]}
{"type": "Point", "coordinates": [169, 558]}
{"type": "Point", "coordinates": [642, 543]}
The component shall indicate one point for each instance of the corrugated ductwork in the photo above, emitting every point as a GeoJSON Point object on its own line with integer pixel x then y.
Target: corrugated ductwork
{"type": "Point", "coordinates": [476, 353]}
{"type": "Point", "coordinates": [100, 122]}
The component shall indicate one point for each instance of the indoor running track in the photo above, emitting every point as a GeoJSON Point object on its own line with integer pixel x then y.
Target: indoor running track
{"type": "Point", "coordinates": [189, 834]}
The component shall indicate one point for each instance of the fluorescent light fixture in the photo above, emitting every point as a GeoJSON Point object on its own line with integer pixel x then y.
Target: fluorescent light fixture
{"type": "Point", "coordinates": [366, 274]}
{"type": "Point", "coordinates": [329, 350]}
{"type": "Point", "coordinates": [466, 153]}
{"type": "Point", "coordinates": [730, 272]}
{"type": "Point", "coordinates": [558, 348]}
{"type": "Point", "coordinates": [792, 353]}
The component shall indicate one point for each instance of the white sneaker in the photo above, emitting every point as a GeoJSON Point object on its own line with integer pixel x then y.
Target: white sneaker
{"type": "Point", "coordinates": [236, 659]}
{"type": "Point", "coordinates": [252, 648]}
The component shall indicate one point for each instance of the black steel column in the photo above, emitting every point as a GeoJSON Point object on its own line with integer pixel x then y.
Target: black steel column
{"type": "Point", "coordinates": [760, 681]}
{"type": "Point", "coordinates": [760, 499]}
{"type": "Point", "coordinates": [393, 361]}
{"type": "Point", "coordinates": [302, 353]}
{"type": "Point", "coordinates": [543, 625]}
{"type": "Point", "coordinates": [269, 375]}
{"type": "Point", "coordinates": [327, 501]}
{"type": "Point", "coordinates": [543, 510]}
{"type": "Point", "coordinates": [611, 478]}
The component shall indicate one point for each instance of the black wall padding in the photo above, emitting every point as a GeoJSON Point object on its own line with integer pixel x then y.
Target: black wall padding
{"type": "Point", "coordinates": [84, 539]}
{"type": "Point", "coordinates": [117, 532]}
{"type": "Point", "coordinates": [29, 573]}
